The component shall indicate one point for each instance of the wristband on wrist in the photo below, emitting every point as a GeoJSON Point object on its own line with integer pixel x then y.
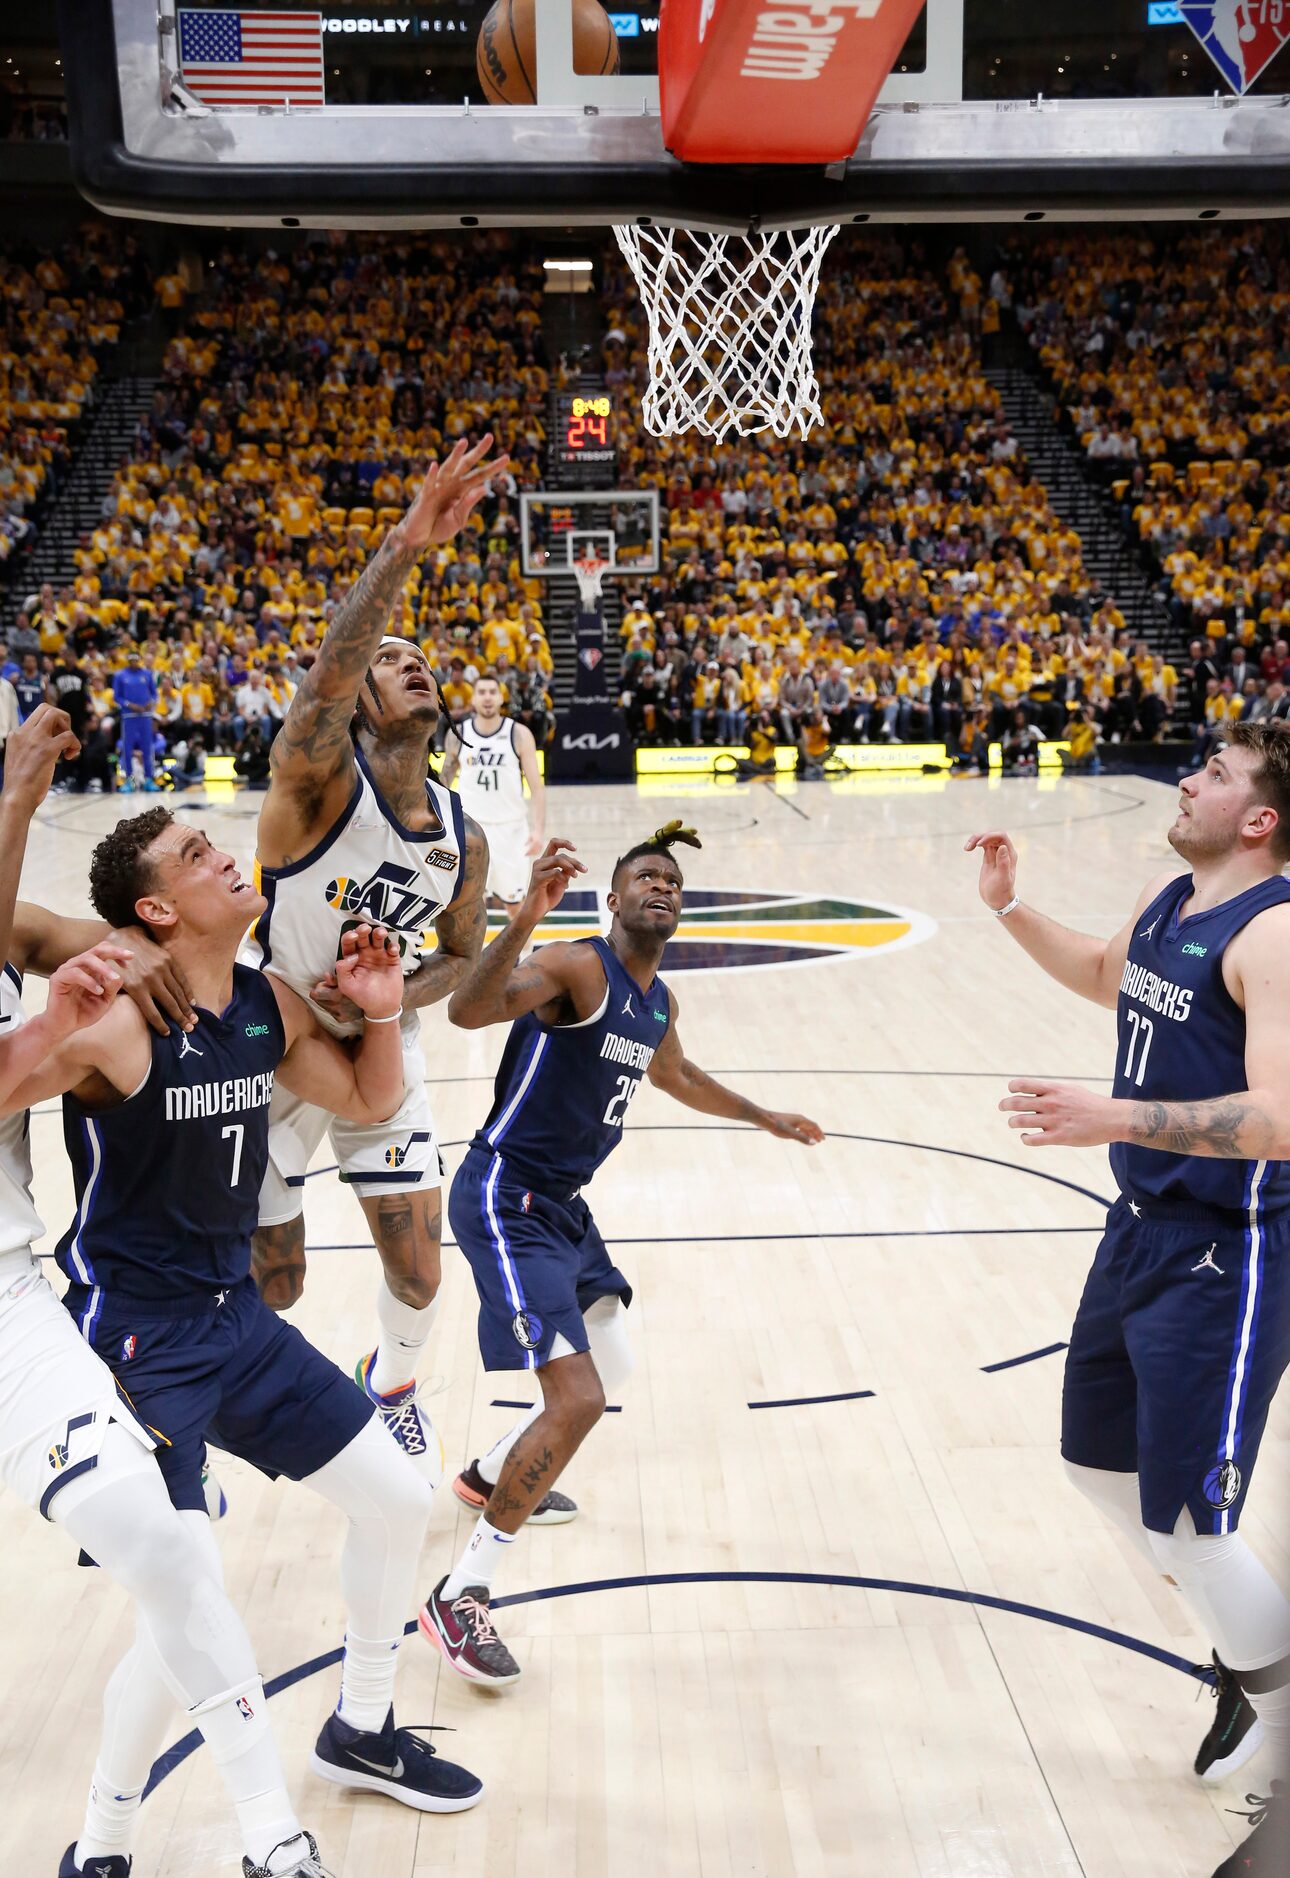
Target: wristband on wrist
{"type": "Point", "coordinates": [1002, 912]}
{"type": "Point", "coordinates": [393, 1018]}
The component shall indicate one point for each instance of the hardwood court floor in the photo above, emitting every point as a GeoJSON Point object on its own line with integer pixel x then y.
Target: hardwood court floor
{"type": "Point", "coordinates": [863, 1636]}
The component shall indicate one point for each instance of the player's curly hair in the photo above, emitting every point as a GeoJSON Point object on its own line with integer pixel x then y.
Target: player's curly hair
{"type": "Point", "coordinates": [662, 841]}
{"type": "Point", "coordinates": [120, 874]}
{"type": "Point", "coordinates": [1269, 744]}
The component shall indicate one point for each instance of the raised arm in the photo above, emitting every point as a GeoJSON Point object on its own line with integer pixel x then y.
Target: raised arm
{"type": "Point", "coordinates": [30, 755]}
{"type": "Point", "coordinates": [526, 751]}
{"type": "Point", "coordinates": [562, 983]}
{"type": "Point", "coordinates": [362, 1081]}
{"type": "Point", "coordinates": [312, 757]}
{"type": "Point", "coordinates": [674, 1073]}
{"type": "Point", "coordinates": [1084, 964]}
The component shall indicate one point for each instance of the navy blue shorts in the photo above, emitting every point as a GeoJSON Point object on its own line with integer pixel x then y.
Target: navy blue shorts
{"type": "Point", "coordinates": [1181, 1337]}
{"type": "Point", "coordinates": [235, 1374]}
{"type": "Point", "coordinates": [538, 1263]}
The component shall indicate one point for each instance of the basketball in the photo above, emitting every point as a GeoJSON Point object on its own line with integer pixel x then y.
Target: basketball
{"type": "Point", "coordinates": [505, 54]}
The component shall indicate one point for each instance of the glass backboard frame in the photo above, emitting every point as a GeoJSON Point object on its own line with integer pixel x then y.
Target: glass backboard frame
{"type": "Point", "coordinates": [596, 157]}
{"type": "Point", "coordinates": [550, 565]}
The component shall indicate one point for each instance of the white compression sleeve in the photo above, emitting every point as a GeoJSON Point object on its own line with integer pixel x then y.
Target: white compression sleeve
{"type": "Point", "coordinates": [1115, 1495]}
{"type": "Point", "coordinates": [191, 1650]}
{"type": "Point", "coordinates": [387, 1504]}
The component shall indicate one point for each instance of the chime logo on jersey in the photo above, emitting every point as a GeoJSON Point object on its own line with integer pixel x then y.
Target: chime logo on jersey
{"type": "Point", "coordinates": [1240, 36]}
{"type": "Point", "coordinates": [392, 896]}
{"type": "Point", "coordinates": [737, 929]}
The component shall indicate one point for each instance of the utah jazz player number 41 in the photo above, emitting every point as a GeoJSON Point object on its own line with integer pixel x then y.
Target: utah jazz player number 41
{"type": "Point", "coordinates": [591, 1018]}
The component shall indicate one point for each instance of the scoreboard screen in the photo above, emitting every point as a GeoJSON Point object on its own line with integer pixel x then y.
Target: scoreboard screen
{"type": "Point", "coordinates": [584, 429]}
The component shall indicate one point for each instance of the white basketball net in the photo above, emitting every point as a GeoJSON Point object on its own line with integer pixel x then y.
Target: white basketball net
{"type": "Point", "coordinates": [589, 573]}
{"type": "Point", "coordinates": [729, 328]}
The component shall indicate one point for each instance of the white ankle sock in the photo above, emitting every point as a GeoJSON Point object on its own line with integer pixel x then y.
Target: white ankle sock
{"type": "Point", "coordinates": [405, 1331]}
{"type": "Point", "coordinates": [1272, 1706]}
{"type": "Point", "coordinates": [109, 1821]}
{"type": "Point", "coordinates": [480, 1560]}
{"type": "Point", "coordinates": [367, 1682]}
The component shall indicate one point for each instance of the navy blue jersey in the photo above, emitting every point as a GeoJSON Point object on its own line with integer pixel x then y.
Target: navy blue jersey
{"type": "Point", "coordinates": [168, 1181]}
{"type": "Point", "coordinates": [563, 1091]}
{"type": "Point", "coordinates": [1182, 1039]}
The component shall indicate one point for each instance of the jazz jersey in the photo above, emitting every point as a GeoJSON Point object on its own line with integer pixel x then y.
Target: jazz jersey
{"type": "Point", "coordinates": [19, 1221]}
{"type": "Point", "coordinates": [1182, 1039]}
{"type": "Point", "coordinates": [368, 868]}
{"type": "Point", "coordinates": [167, 1182]}
{"type": "Point", "coordinates": [563, 1091]}
{"type": "Point", "coordinates": [489, 777]}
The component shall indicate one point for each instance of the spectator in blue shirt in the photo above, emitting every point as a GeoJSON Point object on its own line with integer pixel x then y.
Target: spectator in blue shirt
{"type": "Point", "coordinates": [30, 686]}
{"type": "Point", "coordinates": [135, 692]}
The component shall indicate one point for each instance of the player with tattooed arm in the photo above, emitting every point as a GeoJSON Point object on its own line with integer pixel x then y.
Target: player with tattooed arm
{"type": "Point", "coordinates": [589, 1019]}
{"type": "Point", "coordinates": [1183, 1331]}
{"type": "Point", "coordinates": [353, 828]}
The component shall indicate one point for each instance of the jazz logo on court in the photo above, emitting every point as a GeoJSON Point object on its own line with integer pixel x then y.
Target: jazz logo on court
{"type": "Point", "coordinates": [738, 929]}
{"type": "Point", "coordinates": [1240, 36]}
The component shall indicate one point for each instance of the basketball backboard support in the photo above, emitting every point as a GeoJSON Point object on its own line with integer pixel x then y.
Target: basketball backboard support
{"type": "Point", "coordinates": [590, 152]}
{"type": "Point", "coordinates": [561, 526]}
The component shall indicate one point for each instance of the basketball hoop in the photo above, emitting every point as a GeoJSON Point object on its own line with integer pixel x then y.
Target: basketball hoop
{"type": "Point", "coordinates": [589, 572]}
{"type": "Point", "coordinates": [729, 328]}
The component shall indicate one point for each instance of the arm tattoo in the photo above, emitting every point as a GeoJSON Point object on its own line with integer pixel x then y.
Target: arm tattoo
{"type": "Point", "coordinates": [460, 930]}
{"type": "Point", "coordinates": [1230, 1128]}
{"type": "Point", "coordinates": [316, 729]}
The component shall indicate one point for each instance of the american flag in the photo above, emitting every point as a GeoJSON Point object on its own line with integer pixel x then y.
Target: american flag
{"type": "Point", "coordinates": [252, 58]}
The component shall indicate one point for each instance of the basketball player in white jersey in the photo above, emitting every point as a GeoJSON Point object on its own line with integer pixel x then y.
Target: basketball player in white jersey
{"type": "Point", "coordinates": [71, 1448]}
{"type": "Point", "coordinates": [490, 758]}
{"type": "Point", "coordinates": [352, 829]}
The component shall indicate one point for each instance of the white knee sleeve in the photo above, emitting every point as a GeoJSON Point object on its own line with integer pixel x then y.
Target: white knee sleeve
{"type": "Point", "coordinates": [388, 1504]}
{"type": "Point", "coordinates": [611, 1349]}
{"type": "Point", "coordinates": [1116, 1496]}
{"type": "Point", "coordinates": [1236, 1601]}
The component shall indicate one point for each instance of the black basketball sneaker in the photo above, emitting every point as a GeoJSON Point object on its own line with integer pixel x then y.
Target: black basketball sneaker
{"type": "Point", "coordinates": [1235, 1733]}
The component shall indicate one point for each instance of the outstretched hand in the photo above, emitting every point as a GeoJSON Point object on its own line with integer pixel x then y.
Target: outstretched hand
{"type": "Point", "coordinates": [998, 880]}
{"type": "Point", "coordinates": [31, 753]}
{"type": "Point", "coordinates": [793, 1128]}
{"type": "Point", "coordinates": [450, 491]}
{"type": "Point", "coordinates": [369, 971]}
{"type": "Point", "coordinates": [84, 987]}
{"type": "Point", "coordinates": [1059, 1114]}
{"type": "Point", "coordinates": [553, 871]}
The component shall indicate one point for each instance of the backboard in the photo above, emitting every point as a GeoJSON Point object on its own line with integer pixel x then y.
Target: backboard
{"type": "Point", "coordinates": [995, 109]}
{"type": "Point", "coordinates": [617, 526]}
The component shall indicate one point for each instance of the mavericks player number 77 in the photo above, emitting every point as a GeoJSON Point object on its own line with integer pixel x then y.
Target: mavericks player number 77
{"type": "Point", "coordinates": [1183, 1331]}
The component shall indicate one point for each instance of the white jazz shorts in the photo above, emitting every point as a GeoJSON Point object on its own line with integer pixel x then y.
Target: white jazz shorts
{"type": "Point", "coordinates": [57, 1398]}
{"type": "Point", "coordinates": [509, 866]}
{"type": "Point", "coordinates": [374, 1158]}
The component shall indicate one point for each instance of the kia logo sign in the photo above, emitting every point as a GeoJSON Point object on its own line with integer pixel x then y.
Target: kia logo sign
{"type": "Point", "coordinates": [589, 741]}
